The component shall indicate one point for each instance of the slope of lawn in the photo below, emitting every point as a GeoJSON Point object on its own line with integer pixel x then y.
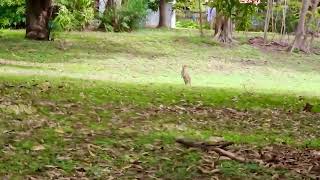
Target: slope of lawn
{"type": "Point", "coordinates": [111, 106]}
{"type": "Point", "coordinates": [156, 56]}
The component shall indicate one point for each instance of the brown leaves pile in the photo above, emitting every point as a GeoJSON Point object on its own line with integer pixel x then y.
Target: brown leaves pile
{"type": "Point", "coordinates": [302, 161]}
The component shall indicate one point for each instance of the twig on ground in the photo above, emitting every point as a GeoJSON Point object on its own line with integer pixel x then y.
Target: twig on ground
{"type": "Point", "coordinates": [216, 147]}
{"type": "Point", "coordinates": [204, 145]}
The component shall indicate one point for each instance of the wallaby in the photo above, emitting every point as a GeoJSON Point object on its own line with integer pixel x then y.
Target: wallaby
{"type": "Point", "coordinates": [185, 75]}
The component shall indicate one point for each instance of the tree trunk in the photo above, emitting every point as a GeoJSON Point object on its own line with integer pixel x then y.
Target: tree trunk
{"type": "Point", "coordinates": [114, 4]}
{"type": "Point", "coordinates": [314, 5]}
{"type": "Point", "coordinates": [283, 22]}
{"type": "Point", "coordinates": [301, 37]}
{"type": "Point", "coordinates": [312, 31]}
{"type": "Point", "coordinates": [96, 5]}
{"type": "Point", "coordinates": [223, 29]}
{"type": "Point", "coordinates": [118, 4]}
{"type": "Point", "coordinates": [38, 14]}
{"type": "Point", "coordinates": [200, 15]}
{"type": "Point", "coordinates": [267, 20]}
{"type": "Point", "coordinates": [162, 13]}
{"type": "Point", "coordinates": [109, 4]}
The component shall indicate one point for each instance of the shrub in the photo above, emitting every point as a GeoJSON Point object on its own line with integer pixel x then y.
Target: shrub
{"type": "Point", "coordinates": [126, 18]}
{"type": "Point", "coordinates": [187, 23]}
{"type": "Point", "coordinates": [12, 13]}
{"type": "Point", "coordinates": [190, 24]}
{"type": "Point", "coordinates": [73, 14]}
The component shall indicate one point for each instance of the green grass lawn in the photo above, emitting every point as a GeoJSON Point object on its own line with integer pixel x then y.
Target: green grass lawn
{"type": "Point", "coordinates": [153, 56]}
{"type": "Point", "coordinates": [112, 104]}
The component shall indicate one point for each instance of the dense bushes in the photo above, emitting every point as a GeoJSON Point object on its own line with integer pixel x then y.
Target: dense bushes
{"type": "Point", "coordinates": [125, 18]}
{"type": "Point", "coordinates": [77, 14]}
{"type": "Point", "coordinates": [73, 14]}
{"type": "Point", "coordinates": [12, 13]}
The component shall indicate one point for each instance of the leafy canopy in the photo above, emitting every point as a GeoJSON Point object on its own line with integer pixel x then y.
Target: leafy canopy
{"type": "Point", "coordinates": [240, 11]}
{"type": "Point", "coordinates": [12, 13]}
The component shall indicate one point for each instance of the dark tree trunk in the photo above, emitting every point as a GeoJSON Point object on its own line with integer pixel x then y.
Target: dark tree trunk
{"type": "Point", "coordinates": [96, 5]}
{"type": "Point", "coordinates": [223, 29]}
{"type": "Point", "coordinates": [111, 8]}
{"type": "Point", "coordinates": [113, 4]}
{"type": "Point", "coordinates": [110, 4]}
{"type": "Point", "coordinates": [38, 14]}
{"type": "Point", "coordinates": [162, 13]}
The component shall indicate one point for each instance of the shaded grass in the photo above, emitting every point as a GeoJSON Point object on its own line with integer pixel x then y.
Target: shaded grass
{"type": "Point", "coordinates": [156, 94]}
{"type": "Point", "coordinates": [236, 170]}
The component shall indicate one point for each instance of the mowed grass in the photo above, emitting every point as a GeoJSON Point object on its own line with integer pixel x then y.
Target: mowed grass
{"type": "Point", "coordinates": [156, 56]}
{"type": "Point", "coordinates": [112, 105]}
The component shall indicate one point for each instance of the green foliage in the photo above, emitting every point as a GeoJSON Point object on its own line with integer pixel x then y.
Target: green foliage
{"type": "Point", "coordinates": [191, 4]}
{"type": "Point", "coordinates": [153, 5]}
{"type": "Point", "coordinates": [12, 13]}
{"type": "Point", "coordinates": [126, 18]}
{"type": "Point", "coordinates": [190, 24]}
{"type": "Point", "coordinates": [241, 13]}
{"type": "Point", "coordinates": [314, 21]}
{"type": "Point", "coordinates": [73, 15]}
{"type": "Point", "coordinates": [65, 20]}
{"type": "Point", "coordinates": [292, 15]}
{"type": "Point", "coordinates": [187, 23]}
{"type": "Point", "coordinates": [245, 13]}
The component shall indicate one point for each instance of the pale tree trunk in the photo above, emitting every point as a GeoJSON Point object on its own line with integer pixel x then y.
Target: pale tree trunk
{"type": "Point", "coordinates": [283, 22]}
{"type": "Point", "coordinates": [301, 37]}
{"type": "Point", "coordinates": [267, 20]}
{"type": "Point", "coordinates": [162, 14]}
{"type": "Point", "coordinates": [272, 19]}
{"type": "Point", "coordinates": [314, 5]}
{"type": "Point", "coordinates": [38, 14]}
{"type": "Point", "coordinates": [223, 29]}
{"type": "Point", "coordinates": [200, 15]}
{"type": "Point", "coordinates": [312, 31]}
{"type": "Point", "coordinates": [96, 5]}
{"type": "Point", "coordinates": [118, 4]}
{"type": "Point", "coordinates": [212, 23]}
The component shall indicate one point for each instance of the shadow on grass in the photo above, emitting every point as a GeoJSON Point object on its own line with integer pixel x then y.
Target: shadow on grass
{"type": "Point", "coordinates": [166, 94]}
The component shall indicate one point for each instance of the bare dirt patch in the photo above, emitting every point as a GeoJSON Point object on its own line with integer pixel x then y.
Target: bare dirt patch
{"type": "Point", "coordinates": [258, 42]}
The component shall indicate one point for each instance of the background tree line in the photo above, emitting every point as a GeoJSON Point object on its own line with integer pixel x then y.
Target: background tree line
{"type": "Point", "coordinates": [284, 16]}
{"type": "Point", "coordinates": [75, 15]}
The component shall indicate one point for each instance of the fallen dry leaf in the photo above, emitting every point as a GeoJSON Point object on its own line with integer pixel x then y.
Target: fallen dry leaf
{"type": "Point", "coordinates": [59, 130]}
{"type": "Point", "coordinates": [38, 148]}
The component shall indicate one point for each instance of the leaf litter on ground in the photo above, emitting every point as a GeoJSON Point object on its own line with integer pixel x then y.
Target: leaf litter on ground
{"type": "Point", "coordinates": [132, 122]}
